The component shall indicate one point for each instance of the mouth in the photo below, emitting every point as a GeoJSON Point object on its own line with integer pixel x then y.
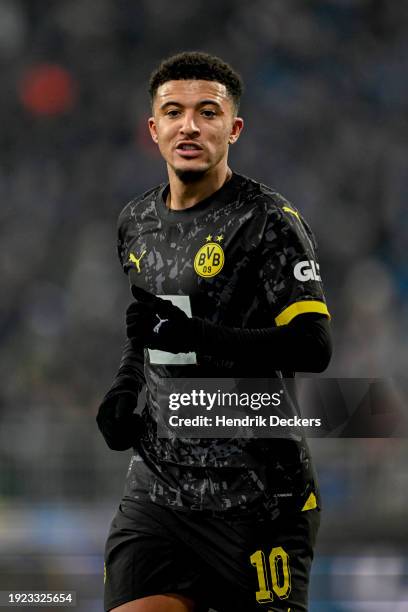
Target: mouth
{"type": "Point", "coordinates": [188, 149]}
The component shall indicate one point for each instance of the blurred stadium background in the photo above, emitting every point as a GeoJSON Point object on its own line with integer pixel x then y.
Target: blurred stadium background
{"type": "Point", "coordinates": [326, 118]}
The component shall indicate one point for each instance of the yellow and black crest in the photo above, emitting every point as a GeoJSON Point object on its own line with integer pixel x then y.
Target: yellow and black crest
{"type": "Point", "coordinates": [209, 259]}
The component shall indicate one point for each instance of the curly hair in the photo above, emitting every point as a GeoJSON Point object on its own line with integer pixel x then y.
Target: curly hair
{"type": "Point", "coordinates": [197, 65]}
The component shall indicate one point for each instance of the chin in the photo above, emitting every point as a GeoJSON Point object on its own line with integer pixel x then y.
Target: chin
{"type": "Point", "coordinates": [187, 175]}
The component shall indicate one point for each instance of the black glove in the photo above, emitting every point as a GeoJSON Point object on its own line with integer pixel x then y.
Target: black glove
{"type": "Point", "coordinates": [120, 427]}
{"type": "Point", "coordinates": [156, 323]}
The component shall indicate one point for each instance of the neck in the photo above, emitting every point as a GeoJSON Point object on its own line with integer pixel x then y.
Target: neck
{"type": "Point", "coordinates": [185, 195]}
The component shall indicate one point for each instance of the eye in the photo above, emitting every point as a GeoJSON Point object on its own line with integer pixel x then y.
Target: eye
{"type": "Point", "coordinates": [208, 113]}
{"type": "Point", "coordinates": [172, 113]}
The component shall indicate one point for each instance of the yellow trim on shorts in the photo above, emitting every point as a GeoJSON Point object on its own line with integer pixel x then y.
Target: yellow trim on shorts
{"type": "Point", "coordinates": [297, 308]}
{"type": "Point", "coordinates": [311, 503]}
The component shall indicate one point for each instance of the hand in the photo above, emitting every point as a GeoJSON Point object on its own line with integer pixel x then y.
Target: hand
{"type": "Point", "coordinates": [157, 324]}
{"type": "Point", "coordinates": [117, 422]}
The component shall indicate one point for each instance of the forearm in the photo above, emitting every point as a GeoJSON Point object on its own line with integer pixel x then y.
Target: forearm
{"type": "Point", "coordinates": [304, 345]}
{"type": "Point", "coordinates": [130, 377]}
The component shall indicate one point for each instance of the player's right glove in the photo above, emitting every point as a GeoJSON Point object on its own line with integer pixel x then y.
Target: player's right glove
{"type": "Point", "coordinates": [120, 427]}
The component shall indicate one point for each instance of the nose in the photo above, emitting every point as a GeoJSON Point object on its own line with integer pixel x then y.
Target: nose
{"type": "Point", "coordinates": [189, 126]}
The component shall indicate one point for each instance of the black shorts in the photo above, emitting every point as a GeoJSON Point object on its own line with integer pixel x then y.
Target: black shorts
{"type": "Point", "coordinates": [228, 565]}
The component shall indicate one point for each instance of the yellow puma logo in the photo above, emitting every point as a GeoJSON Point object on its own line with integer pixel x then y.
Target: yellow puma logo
{"type": "Point", "coordinates": [136, 260]}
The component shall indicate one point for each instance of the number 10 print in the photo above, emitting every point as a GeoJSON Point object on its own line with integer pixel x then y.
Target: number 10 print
{"type": "Point", "coordinates": [279, 574]}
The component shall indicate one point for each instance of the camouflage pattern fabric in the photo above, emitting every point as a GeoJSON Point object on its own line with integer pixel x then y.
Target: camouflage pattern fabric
{"type": "Point", "coordinates": [245, 258]}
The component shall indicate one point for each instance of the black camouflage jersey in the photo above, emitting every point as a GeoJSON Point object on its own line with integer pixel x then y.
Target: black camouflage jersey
{"type": "Point", "coordinates": [245, 258]}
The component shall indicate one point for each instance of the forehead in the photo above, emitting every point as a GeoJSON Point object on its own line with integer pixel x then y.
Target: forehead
{"type": "Point", "coordinates": [191, 92]}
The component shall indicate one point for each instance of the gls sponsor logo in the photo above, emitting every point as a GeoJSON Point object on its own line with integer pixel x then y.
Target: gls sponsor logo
{"type": "Point", "coordinates": [307, 270]}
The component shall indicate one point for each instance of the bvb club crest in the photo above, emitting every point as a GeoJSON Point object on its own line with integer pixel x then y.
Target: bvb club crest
{"type": "Point", "coordinates": [209, 259]}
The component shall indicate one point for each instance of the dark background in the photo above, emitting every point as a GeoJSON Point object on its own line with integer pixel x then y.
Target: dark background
{"type": "Point", "coordinates": [326, 118]}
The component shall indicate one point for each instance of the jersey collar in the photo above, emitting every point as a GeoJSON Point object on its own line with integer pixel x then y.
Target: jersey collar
{"type": "Point", "coordinates": [223, 196]}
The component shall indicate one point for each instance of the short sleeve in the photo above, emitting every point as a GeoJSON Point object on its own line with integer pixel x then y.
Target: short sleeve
{"type": "Point", "coordinates": [290, 272]}
{"type": "Point", "coordinates": [124, 239]}
{"type": "Point", "coordinates": [121, 241]}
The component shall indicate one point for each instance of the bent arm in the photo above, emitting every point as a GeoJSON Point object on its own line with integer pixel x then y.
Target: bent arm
{"type": "Point", "coordinates": [303, 345]}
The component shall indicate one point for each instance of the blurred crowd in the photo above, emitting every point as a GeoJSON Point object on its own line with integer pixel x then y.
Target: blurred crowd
{"type": "Point", "coordinates": [325, 108]}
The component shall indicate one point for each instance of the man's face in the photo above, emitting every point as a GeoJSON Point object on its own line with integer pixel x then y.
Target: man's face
{"type": "Point", "coordinates": [193, 123]}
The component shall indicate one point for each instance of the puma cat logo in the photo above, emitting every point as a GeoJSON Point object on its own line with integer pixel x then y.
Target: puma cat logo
{"type": "Point", "coordinates": [159, 324]}
{"type": "Point", "coordinates": [136, 260]}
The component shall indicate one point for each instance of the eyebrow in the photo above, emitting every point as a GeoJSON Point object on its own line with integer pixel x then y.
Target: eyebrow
{"type": "Point", "coordinates": [201, 103]}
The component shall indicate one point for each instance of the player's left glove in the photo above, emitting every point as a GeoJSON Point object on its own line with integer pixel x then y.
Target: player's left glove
{"type": "Point", "coordinates": [156, 323]}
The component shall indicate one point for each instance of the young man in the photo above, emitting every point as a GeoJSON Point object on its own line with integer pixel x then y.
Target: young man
{"type": "Point", "coordinates": [227, 524]}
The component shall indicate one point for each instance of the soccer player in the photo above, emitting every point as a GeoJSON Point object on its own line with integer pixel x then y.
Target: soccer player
{"type": "Point", "coordinates": [223, 524]}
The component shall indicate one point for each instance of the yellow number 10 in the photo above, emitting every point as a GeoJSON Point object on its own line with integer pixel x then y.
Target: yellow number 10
{"type": "Point", "coordinates": [281, 587]}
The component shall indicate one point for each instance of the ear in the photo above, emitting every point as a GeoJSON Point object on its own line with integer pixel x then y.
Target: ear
{"type": "Point", "coordinates": [152, 129]}
{"type": "Point", "coordinates": [236, 130]}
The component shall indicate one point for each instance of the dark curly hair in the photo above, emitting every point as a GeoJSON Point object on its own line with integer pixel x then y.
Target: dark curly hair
{"type": "Point", "coordinates": [197, 65]}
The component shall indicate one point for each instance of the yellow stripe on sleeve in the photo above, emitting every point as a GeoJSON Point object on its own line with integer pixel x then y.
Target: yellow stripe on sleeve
{"type": "Point", "coordinates": [294, 212]}
{"type": "Point", "coordinates": [297, 308]}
